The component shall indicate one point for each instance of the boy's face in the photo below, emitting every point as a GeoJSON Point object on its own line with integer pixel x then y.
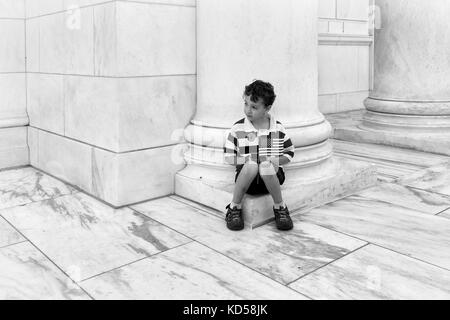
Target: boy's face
{"type": "Point", "coordinates": [255, 111]}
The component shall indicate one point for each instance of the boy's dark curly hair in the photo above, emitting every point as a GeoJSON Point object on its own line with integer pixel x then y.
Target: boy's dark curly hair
{"type": "Point", "coordinates": [261, 89]}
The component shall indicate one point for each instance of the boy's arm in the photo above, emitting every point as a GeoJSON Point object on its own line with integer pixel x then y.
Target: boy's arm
{"type": "Point", "coordinates": [231, 151]}
{"type": "Point", "coordinates": [283, 160]}
{"type": "Point", "coordinates": [288, 150]}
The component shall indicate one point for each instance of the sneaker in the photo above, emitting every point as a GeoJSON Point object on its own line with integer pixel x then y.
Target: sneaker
{"type": "Point", "coordinates": [234, 218]}
{"type": "Point", "coordinates": [282, 218]}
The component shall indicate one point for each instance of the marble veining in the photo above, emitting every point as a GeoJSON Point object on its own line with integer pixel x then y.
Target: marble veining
{"type": "Point", "coordinates": [376, 273]}
{"type": "Point", "coordinates": [100, 238]}
{"type": "Point", "coordinates": [25, 185]}
{"type": "Point", "coordinates": [436, 179]}
{"type": "Point", "coordinates": [183, 218]}
{"type": "Point", "coordinates": [409, 63]}
{"type": "Point", "coordinates": [426, 237]}
{"type": "Point", "coordinates": [286, 256]}
{"type": "Point", "coordinates": [191, 271]}
{"type": "Point", "coordinates": [176, 249]}
{"type": "Point", "coordinates": [283, 257]}
{"type": "Point", "coordinates": [416, 199]}
{"type": "Point", "coordinates": [83, 214]}
{"type": "Point", "coordinates": [27, 274]}
{"type": "Point", "coordinates": [8, 235]}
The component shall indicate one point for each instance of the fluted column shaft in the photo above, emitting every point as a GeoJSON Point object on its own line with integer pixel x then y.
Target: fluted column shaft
{"type": "Point", "coordinates": [242, 40]}
{"type": "Point", "coordinates": [412, 63]}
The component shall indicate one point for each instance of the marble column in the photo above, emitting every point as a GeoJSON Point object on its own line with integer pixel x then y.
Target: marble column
{"type": "Point", "coordinates": [411, 92]}
{"type": "Point", "coordinates": [239, 41]}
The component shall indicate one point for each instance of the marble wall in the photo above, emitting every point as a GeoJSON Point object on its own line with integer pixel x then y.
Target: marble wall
{"type": "Point", "coordinates": [107, 87]}
{"type": "Point", "coordinates": [13, 115]}
{"type": "Point", "coordinates": [110, 84]}
{"type": "Point", "coordinates": [344, 54]}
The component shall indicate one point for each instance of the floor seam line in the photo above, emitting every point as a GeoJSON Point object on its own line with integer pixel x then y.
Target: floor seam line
{"type": "Point", "coordinates": [437, 214]}
{"type": "Point", "coordinates": [204, 210]}
{"type": "Point", "coordinates": [345, 255]}
{"type": "Point", "coordinates": [408, 256]}
{"type": "Point", "coordinates": [426, 213]}
{"type": "Point", "coordinates": [132, 262]}
{"type": "Point", "coordinates": [438, 193]}
{"type": "Point", "coordinates": [50, 260]}
{"type": "Point", "coordinates": [381, 246]}
{"type": "Point", "coordinates": [12, 244]}
{"type": "Point", "coordinates": [222, 254]}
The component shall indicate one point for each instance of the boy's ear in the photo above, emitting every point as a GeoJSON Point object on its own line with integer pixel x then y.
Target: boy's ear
{"type": "Point", "coordinates": [268, 108]}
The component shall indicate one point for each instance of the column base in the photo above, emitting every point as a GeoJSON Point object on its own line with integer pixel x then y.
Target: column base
{"type": "Point", "coordinates": [338, 178]}
{"type": "Point", "coordinates": [353, 126]}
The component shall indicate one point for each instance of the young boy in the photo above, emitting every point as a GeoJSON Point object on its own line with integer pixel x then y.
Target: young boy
{"type": "Point", "coordinates": [258, 146]}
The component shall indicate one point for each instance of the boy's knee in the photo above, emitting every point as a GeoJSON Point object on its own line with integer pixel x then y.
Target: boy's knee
{"type": "Point", "coordinates": [251, 168]}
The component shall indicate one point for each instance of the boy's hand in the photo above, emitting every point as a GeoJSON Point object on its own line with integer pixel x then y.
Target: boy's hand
{"type": "Point", "coordinates": [252, 158]}
{"type": "Point", "coordinates": [275, 161]}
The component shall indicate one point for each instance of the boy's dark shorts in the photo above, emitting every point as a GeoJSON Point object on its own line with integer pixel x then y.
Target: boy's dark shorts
{"type": "Point", "coordinates": [257, 186]}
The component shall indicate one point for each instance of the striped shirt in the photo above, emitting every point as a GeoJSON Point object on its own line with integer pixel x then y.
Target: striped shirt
{"type": "Point", "coordinates": [245, 142]}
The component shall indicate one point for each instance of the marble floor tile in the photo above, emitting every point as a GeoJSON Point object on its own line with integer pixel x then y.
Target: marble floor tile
{"type": "Point", "coordinates": [26, 274]}
{"type": "Point", "coordinates": [436, 179]}
{"type": "Point", "coordinates": [283, 256]}
{"type": "Point", "coordinates": [426, 237]}
{"type": "Point", "coordinates": [191, 271]}
{"type": "Point", "coordinates": [445, 214]}
{"type": "Point", "coordinates": [183, 218]}
{"type": "Point", "coordinates": [8, 235]}
{"type": "Point", "coordinates": [86, 237]}
{"type": "Point", "coordinates": [420, 200]}
{"type": "Point", "coordinates": [25, 185]}
{"type": "Point", "coordinates": [376, 273]}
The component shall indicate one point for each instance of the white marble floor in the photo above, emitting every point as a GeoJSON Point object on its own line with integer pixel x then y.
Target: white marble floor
{"type": "Point", "coordinates": [391, 241]}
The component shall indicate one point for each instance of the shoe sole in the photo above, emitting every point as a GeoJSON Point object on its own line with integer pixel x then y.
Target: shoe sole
{"type": "Point", "coordinates": [235, 229]}
{"type": "Point", "coordinates": [285, 229]}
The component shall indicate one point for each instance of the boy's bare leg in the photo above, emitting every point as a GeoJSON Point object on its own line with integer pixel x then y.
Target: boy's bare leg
{"type": "Point", "coordinates": [269, 175]}
{"type": "Point", "coordinates": [244, 180]}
